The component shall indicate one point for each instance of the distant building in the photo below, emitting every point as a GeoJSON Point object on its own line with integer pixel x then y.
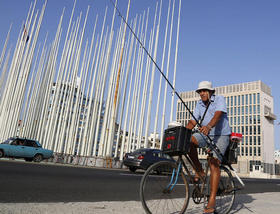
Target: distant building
{"type": "Point", "coordinates": [76, 111]}
{"type": "Point", "coordinates": [250, 112]}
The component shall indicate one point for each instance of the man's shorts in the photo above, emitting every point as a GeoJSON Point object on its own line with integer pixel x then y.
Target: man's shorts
{"type": "Point", "coordinates": [221, 142]}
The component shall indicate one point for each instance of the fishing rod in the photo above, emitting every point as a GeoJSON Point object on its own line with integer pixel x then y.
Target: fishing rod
{"type": "Point", "coordinates": [212, 145]}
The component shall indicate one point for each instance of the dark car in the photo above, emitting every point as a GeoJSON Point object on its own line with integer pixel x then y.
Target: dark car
{"type": "Point", "coordinates": [30, 150]}
{"type": "Point", "coordinates": [143, 158]}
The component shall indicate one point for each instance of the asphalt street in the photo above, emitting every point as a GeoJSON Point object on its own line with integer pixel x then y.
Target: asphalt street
{"type": "Point", "coordinates": [23, 182]}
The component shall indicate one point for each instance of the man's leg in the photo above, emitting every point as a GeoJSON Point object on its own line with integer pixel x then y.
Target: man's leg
{"type": "Point", "coordinates": [214, 164]}
{"type": "Point", "coordinates": [194, 155]}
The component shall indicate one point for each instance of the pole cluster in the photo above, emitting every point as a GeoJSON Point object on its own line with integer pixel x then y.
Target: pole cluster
{"type": "Point", "coordinates": [89, 94]}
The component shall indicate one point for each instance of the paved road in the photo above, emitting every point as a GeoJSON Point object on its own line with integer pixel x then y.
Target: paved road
{"type": "Point", "coordinates": [22, 182]}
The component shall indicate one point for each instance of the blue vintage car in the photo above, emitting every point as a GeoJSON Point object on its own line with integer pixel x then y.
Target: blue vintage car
{"type": "Point", "coordinates": [30, 150]}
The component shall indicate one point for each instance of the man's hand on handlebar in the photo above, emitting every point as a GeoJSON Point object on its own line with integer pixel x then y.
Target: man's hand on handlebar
{"type": "Point", "coordinates": [204, 130]}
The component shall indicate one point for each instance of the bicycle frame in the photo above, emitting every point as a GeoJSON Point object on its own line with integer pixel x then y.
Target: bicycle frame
{"type": "Point", "coordinates": [171, 185]}
{"type": "Point", "coordinates": [182, 165]}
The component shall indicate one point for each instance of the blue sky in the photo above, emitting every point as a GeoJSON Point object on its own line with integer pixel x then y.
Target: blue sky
{"type": "Point", "coordinates": [226, 42]}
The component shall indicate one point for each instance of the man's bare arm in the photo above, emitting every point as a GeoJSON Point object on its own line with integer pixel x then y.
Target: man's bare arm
{"type": "Point", "coordinates": [217, 116]}
{"type": "Point", "coordinates": [191, 124]}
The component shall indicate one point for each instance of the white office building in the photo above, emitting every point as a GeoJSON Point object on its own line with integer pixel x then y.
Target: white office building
{"type": "Point", "coordinates": [250, 112]}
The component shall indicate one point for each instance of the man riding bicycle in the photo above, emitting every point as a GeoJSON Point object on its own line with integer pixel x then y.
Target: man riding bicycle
{"type": "Point", "coordinates": [211, 110]}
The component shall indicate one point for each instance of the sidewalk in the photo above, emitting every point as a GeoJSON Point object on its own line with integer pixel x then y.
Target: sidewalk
{"type": "Point", "coordinates": [245, 204]}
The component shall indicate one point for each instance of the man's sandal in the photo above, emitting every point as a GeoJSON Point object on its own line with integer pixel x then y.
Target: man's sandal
{"type": "Point", "coordinates": [209, 208]}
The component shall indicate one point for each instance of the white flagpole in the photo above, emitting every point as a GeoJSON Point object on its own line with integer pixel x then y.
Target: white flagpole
{"type": "Point", "coordinates": [131, 45]}
{"type": "Point", "coordinates": [167, 72]}
{"type": "Point", "coordinates": [145, 89]}
{"type": "Point", "coordinates": [124, 140]}
{"type": "Point", "coordinates": [160, 81]}
{"type": "Point", "coordinates": [148, 120]}
{"type": "Point", "coordinates": [175, 61]}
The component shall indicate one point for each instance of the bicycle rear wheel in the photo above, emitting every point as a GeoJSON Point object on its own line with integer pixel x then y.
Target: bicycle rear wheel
{"type": "Point", "coordinates": [226, 193]}
{"type": "Point", "coordinates": [159, 191]}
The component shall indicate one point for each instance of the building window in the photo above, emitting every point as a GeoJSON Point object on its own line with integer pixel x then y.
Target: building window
{"type": "Point", "coordinates": [238, 103]}
{"type": "Point", "coordinates": [250, 98]}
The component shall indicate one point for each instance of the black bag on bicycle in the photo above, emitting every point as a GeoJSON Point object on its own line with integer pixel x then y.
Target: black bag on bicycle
{"type": "Point", "coordinates": [231, 153]}
{"type": "Point", "coordinates": [176, 140]}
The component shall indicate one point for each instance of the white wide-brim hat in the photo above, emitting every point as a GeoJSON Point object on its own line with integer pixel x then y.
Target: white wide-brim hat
{"type": "Point", "coordinates": [205, 85]}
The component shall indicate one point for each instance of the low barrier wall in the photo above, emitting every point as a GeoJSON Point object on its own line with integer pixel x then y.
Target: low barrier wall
{"type": "Point", "coordinates": [103, 162]}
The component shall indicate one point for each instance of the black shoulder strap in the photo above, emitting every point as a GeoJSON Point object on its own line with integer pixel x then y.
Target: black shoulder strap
{"type": "Point", "coordinates": [205, 111]}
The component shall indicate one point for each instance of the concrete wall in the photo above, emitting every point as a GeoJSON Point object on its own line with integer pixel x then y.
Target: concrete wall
{"type": "Point", "coordinates": [268, 130]}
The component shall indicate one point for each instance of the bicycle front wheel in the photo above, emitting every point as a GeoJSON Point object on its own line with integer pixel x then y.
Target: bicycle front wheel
{"type": "Point", "coordinates": [163, 190]}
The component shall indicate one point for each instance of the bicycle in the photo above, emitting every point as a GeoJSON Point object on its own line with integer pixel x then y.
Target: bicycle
{"type": "Point", "coordinates": [164, 187]}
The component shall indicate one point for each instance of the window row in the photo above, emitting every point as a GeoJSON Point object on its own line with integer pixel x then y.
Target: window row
{"type": "Point", "coordinates": [233, 120]}
{"type": "Point", "coordinates": [251, 151]}
{"type": "Point", "coordinates": [191, 105]}
{"type": "Point", "coordinates": [244, 110]}
{"type": "Point", "coordinates": [237, 100]}
{"type": "Point", "coordinates": [251, 140]}
{"type": "Point", "coordinates": [242, 120]}
{"type": "Point", "coordinates": [246, 99]}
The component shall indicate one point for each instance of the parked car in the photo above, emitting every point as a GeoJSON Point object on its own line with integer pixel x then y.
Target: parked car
{"type": "Point", "coordinates": [143, 158]}
{"type": "Point", "coordinates": [30, 150]}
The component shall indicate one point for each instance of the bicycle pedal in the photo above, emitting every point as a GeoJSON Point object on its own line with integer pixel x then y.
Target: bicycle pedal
{"type": "Point", "coordinates": [238, 188]}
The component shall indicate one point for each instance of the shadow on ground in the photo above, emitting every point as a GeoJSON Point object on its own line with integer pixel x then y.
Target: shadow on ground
{"type": "Point", "coordinates": [241, 204]}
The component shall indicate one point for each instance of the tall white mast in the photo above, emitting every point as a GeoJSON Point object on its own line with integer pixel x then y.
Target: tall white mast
{"type": "Point", "coordinates": [175, 62]}
{"type": "Point", "coordinates": [113, 118]}
{"type": "Point", "coordinates": [148, 121]}
{"type": "Point", "coordinates": [160, 81]}
{"type": "Point", "coordinates": [167, 72]}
